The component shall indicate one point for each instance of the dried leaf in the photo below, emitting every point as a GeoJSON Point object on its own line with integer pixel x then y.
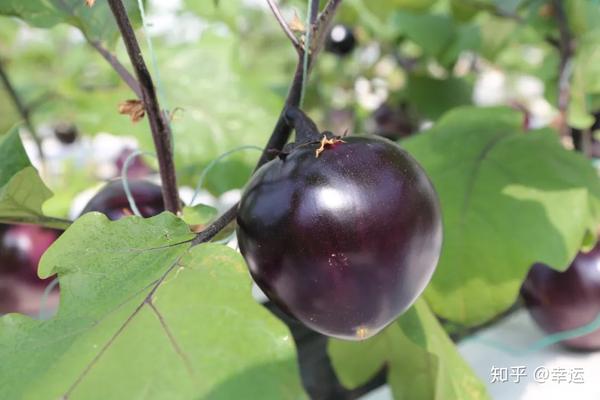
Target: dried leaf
{"type": "Point", "coordinates": [297, 25]}
{"type": "Point", "coordinates": [133, 108]}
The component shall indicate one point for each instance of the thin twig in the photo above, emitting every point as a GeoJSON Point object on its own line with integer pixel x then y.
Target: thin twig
{"type": "Point", "coordinates": [161, 132]}
{"type": "Point", "coordinates": [119, 68]}
{"type": "Point", "coordinates": [565, 49]}
{"type": "Point", "coordinates": [284, 25]}
{"type": "Point", "coordinates": [282, 130]}
{"type": "Point", "coordinates": [217, 226]}
{"type": "Point", "coordinates": [23, 110]}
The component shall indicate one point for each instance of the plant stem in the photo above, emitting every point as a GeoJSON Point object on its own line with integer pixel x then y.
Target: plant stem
{"type": "Point", "coordinates": [217, 226]}
{"type": "Point", "coordinates": [281, 132]}
{"type": "Point", "coordinates": [565, 49]}
{"type": "Point", "coordinates": [161, 132]}
{"type": "Point", "coordinates": [119, 68]}
{"type": "Point", "coordinates": [23, 111]}
{"type": "Point", "coordinates": [313, 12]}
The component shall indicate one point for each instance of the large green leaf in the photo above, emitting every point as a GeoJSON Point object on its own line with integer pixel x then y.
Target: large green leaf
{"type": "Point", "coordinates": [432, 32]}
{"type": "Point", "coordinates": [509, 199]}
{"type": "Point", "coordinates": [422, 361]}
{"type": "Point", "coordinates": [96, 23]}
{"type": "Point", "coordinates": [22, 191]}
{"type": "Point", "coordinates": [433, 97]}
{"type": "Point", "coordinates": [144, 316]}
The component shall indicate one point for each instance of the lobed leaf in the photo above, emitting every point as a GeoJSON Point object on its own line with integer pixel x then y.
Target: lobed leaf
{"type": "Point", "coordinates": [509, 199]}
{"type": "Point", "coordinates": [22, 191]}
{"type": "Point", "coordinates": [144, 316]}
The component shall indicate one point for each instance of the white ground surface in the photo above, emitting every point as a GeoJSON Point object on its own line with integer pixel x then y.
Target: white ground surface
{"type": "Point", "coordinates": [518, 331]}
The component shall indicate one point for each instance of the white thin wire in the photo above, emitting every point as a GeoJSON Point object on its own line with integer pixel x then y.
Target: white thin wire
{"type": "Point", "coordinates": [214, 162]}
{"type": "Point", "coordinates": [125, 181]}
{"type": "Point", "coordinates": [44, 299]}
{"type": "Point", "coordinates": [306, 52]}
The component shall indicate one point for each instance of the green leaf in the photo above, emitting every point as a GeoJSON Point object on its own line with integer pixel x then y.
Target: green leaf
{"type": "Point", "coordinates": [12, 156]}
{"type": "Point", "coordinates": [467, 37]}
{"type": "Point", "coordinates": [422, 361]}
{"type": "Point", "coordinates": [375, 15]}
{"type": "Point", "coordinates": [22, 197]}
{"type": "Point", "coordinates": [144, 316]}
{"type": "Point", "coordinates": [432, 97]}
{"type": "Point", "coordinates": [495, 35]}
{"type": "Point", "coordinates": [432, 32]}
{"type": "Point", "coordinates": [40, 13]}
{"type": "Point", "coordinates": [582, 16]}
{"type": "Point", "coordinates": [96, 22]}
{"type": "Point", "coordinates": [199, 214]}
{"type": "Point", "coordinates": [22, 191]}
{"type": "Point", "coordinates": [585, 81]}
{"type": "Point", "coordinates": [509, 199]}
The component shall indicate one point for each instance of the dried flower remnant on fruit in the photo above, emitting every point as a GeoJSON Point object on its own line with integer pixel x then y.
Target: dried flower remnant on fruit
{"type": "Point", "coordinates": [133, 108]}
{"type": "Point", "coordinates": [90, 3]}
{"type": "Point", "coordinates": [325, 141]}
